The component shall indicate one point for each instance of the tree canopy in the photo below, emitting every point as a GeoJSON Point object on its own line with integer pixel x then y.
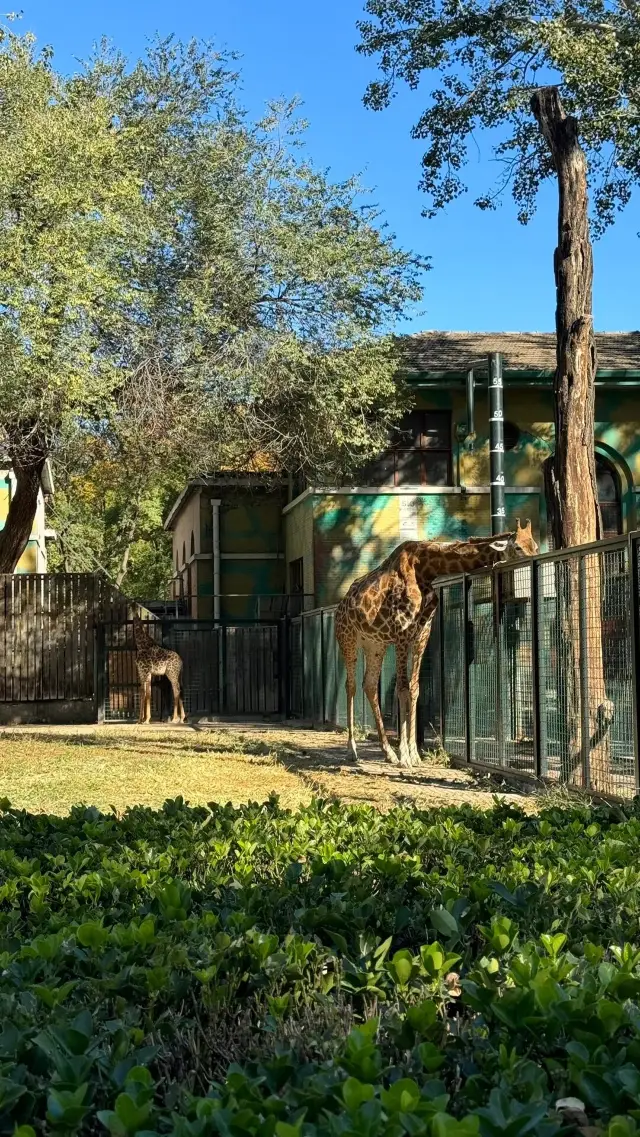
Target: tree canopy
{"type": "Point", "coordinates": [487, 57]}
{"type": "Point", "coordinates": [157, 240]}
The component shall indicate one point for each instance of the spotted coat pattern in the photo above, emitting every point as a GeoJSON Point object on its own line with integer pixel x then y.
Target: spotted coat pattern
{"type": "Point", "coordinates": [152, 659]}
{"type": "Point", "coordinates": [395, 604]}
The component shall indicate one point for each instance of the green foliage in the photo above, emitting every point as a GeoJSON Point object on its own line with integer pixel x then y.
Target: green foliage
{"type": "Point", "coordinates": [180, 287]}
{"type": "Point", "coordinates": [487, 58]}
{"type": "Point", "coordinates": [221, 971]}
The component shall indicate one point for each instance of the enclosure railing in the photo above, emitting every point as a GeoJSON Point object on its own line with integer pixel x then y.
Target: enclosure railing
{"type": "Point", "coordinates": [533, 667]}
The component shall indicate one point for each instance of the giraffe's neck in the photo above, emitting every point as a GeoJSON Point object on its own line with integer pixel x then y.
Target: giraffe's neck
{"type": "Point", "coordinates": [141, 637]}
{"type": "Point", "coordinates": [460, 556]}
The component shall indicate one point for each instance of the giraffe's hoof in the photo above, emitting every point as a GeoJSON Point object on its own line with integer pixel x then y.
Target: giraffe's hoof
{"type": "Point", "coordinates": [391, 758]}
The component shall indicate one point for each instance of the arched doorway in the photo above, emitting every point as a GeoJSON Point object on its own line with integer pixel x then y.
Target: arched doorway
{"type": "Point", "coordinates": [609, 496]}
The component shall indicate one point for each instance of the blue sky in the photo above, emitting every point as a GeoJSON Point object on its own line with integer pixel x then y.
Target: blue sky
{"type": "Point", "coordinates": [489, 273]}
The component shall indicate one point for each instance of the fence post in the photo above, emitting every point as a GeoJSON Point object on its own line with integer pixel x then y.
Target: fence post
{"type": "Point", "coordinates": [535, 668]}
{"type": "Point", "coordinates": [634, 599]}
{"type": "Point", "coordinates": [302, 670]}
{"type": "Point", "coordinates": [497, 623]}
{"type": "Point", "coordinates": [323, 671]}
{"type": "Point", "coordinates": [441, 664]}
{"type": "Point", "coordinates": [99, 672]}
{"type": "Point", "coordinates": [466, 668]}
{"type": "Point", "coordinates": [584, 674]}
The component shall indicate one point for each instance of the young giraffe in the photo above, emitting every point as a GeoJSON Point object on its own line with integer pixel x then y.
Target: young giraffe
{"type": "Point", "coordinates": [395, 604]}
{"type": "Point", "coordinates": [152, 659]}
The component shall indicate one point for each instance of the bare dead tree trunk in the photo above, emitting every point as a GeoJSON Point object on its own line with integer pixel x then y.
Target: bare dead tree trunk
{"type": "Point", "coordinates": [27, 467]}
{"type": "Point", "coordinates": [572, 497]}
{"type": "Point", "coordinates": [575, 515]}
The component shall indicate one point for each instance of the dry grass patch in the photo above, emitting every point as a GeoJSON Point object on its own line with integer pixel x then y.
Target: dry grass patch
{"type": "Point", "coordinates": [48, 770]}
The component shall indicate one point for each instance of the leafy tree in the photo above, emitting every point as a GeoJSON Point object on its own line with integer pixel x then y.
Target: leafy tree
{"type": "Point", "coordinates": [207, 253]}
{"type": "Point", "coordinates": [556, 85]}
{"type": "Point", "coordinates": [69, 209]}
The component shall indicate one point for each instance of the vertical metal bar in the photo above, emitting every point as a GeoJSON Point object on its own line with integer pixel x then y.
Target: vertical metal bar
{"type": "Point", "coordinates": [584, 675]}
{"type": "Point", "coordinates": [303, 684]}
{"type": "Point", "coordinates": [441, 664]}
{"type": "Point", "coordinates": [534, 613]}
{"type": "Point", "coordinates": [466, 665]}
{"type": "Point", "coordinates": [496, 443]}
{"type": "Point", "coordinates": [497, 623]}
{"type": "Point", "coordinates": [634, 600]}
{"type": "Point", "coordinates": [323, 707]}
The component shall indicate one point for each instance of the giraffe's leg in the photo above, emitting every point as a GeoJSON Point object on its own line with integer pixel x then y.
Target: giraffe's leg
{"type": "Point", "coordinates": [419, 647]}
{"type": "Point", "coordinates": [349, 647]}
{"type": "Point", "coordinates": [175, 688]}
{"type": "Point", "coordinates": [404, 702]}
{"type": "Point", "coordinates": [178, 706]}
{"type": "Point", "coordinates": [142, 680]}
{"type": "Point", "coordinates": [147, 692]}
{"type": "Point", "coordinates": [374, 654]}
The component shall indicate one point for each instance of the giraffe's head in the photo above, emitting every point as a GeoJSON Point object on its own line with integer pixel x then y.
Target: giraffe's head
{"type": "Point", "coordinates": [514, 546]}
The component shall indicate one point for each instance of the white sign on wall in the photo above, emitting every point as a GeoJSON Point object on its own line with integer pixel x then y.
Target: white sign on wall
{"type": "Point", "coordinates": [408, 517]}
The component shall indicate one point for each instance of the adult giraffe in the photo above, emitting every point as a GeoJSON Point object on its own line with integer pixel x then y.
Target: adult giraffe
{"type": "Point", "coordinates": [395, 604]}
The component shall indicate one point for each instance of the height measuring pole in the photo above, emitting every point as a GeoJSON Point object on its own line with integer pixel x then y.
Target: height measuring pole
{"type": "Point", "coordinates": [496, 443]}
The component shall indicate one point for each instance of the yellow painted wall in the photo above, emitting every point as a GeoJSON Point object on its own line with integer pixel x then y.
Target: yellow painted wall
{"type": "Point", "coordinates": [34, 558]}
{"type": "Point", "coordinates": [187, 522]}
{"type": "Point", "coordinates": [354, 532]}
{"type": "Point", "coordinates": [298, 523]}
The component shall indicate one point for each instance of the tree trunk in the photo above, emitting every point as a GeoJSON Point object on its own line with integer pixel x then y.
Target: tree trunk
{"type": "Point", "coordinates": [24, 503]}
{"type": "Point", "coordinates": [124, 560]}
{"type": "Point", "coordinates": [572, 498]}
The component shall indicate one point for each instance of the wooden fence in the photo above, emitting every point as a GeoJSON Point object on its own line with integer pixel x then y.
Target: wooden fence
{"type": "Point", "coordinates": [47, 634]}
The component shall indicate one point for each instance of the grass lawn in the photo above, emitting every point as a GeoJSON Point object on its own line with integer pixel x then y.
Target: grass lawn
{"type": "Point", "coordinates": [49, 769]}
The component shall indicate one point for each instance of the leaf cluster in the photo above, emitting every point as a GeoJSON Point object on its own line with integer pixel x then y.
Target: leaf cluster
{"type": "Point", "coordinates": [221, 971]}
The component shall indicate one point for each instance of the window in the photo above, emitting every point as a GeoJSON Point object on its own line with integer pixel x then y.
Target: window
{"type": "Point", "coordinates": [193, 543]}
{"type": "Point", "coordinates": [609, 497]}
{"type": "Point", "coordinates": [184, 553]}
{"type": "Point", "coordinates": [296, 576]}
{"type": "Point", "coordinates": [420, 454]}
{"type": "Point", "coordinates": [511, 435]}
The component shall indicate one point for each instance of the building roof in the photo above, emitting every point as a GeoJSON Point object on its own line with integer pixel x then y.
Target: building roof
{"type": "Point", "coordinates": [224, 480]}
{"type": "Point", "coordinates": [455, 352]}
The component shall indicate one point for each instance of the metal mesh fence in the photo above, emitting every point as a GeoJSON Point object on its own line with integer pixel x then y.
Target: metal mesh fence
{"type": "Point", "coordinates": [452, 669]}
{"type": "Point", "coordinates": [529, 668]}
{"type": "Point", "coordinates": [483, 673]}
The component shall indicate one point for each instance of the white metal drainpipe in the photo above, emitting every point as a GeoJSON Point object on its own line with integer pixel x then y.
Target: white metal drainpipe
{"type": "Point", "coordinates": [215, 532]}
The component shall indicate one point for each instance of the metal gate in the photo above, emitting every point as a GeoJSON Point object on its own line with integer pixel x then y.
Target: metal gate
{"type": "Point", "coordinates": [228, 669]}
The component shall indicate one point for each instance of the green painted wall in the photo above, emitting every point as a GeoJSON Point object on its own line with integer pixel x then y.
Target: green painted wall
{"type": "Point", "coordinates": [253, 525]}
{"type": "Point", "coordinates": [354, 532]}
{"type": "Point", "coordinates": [252, 578]}
{"type": "Point", "coordinates": [298, 532]}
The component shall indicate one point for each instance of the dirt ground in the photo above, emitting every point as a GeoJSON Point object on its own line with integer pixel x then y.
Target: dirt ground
{"type": "Point", "coordinates": [51, 768]}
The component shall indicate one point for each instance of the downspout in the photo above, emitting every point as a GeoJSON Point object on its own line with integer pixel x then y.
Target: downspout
{"type": "Point", "coordinates": [496, 443]}
{"type": "Point", "coordinates": [471, 421]}
{"type": "Point", "coordinates": [215, 537]}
